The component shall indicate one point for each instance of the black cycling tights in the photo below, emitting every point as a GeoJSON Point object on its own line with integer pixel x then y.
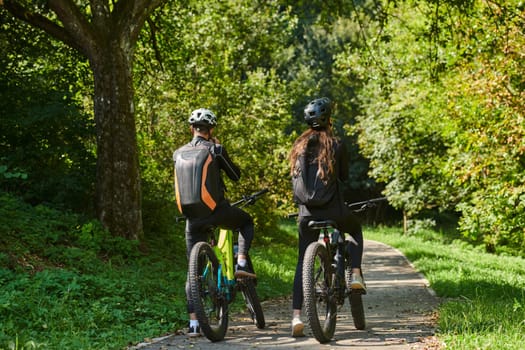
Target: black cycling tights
{"type": "Point", "coordinates": [307, 235]}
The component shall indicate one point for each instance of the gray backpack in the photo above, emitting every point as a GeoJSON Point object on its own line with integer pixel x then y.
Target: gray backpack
{"type": "Point", "coordinates": [197, 181]}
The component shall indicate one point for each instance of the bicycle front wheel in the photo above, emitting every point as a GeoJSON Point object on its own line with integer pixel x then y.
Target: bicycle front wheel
{"type": "Point", "coordinates": [252, 302]}
{"type": "Point", "coordinates": [319, 302]}
{"type": "Point", "coordinates": [210, 305]}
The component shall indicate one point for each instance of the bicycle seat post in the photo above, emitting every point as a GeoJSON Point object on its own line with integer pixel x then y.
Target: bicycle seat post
{"type": "Point", "coordinates": [212, 236]}
{"type": "Point", "coordinates": [325, 237]}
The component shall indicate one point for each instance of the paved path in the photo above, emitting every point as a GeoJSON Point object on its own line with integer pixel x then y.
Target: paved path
{"type": "Point", "coordinates": [398, 307]}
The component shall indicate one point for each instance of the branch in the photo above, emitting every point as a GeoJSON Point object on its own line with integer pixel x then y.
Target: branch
{"type": "Point", "coordinates": [154, 42]}
{"type": "Point", "coordinates": [75, 23]}
{"type": "Point", "coordinates": [132, 14]}
{"type": "Point", "coordinates": [42, 22]}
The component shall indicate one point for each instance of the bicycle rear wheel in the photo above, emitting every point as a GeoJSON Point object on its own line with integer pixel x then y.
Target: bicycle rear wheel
{"type": "Point", "coordinates": [252, 302]}
{"type": "Point", "coordinates": [357, 309]}
{"type": "Point", "coordinates": [356, 302]}
{"type": "Point", "coordinates": [319, 303]}
{"type": "Point", "coordinates": [210, 305]}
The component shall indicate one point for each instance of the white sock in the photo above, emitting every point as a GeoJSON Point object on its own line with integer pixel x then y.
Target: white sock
{"type": "Point", "coordinates": [241, 262]}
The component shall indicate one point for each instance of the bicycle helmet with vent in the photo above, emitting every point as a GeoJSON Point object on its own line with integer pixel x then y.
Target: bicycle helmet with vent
{"type": "Point", "coordinates": [317, 113]}
{"type": "Point", "coordinates": [203, 117]}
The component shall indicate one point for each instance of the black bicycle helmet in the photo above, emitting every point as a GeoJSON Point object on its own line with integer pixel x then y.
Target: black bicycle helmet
{"type": "Point", "coordinates": [317, 113]}
{"type": "Point", "coordinates": [203, 117]}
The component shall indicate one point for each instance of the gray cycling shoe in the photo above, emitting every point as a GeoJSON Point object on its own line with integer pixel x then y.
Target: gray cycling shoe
{"type": "Point", "coordinates": [297, 327]}
{"type": "Point", "coordinates": [357, 282]}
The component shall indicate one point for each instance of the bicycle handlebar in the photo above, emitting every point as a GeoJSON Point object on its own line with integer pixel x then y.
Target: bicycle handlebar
{"type": "Point", "coordinates": [246, 200]}
{"type": "Point", "coordinates": [364, 205]}
{"type": "Point", "coordinates": [250, 199]}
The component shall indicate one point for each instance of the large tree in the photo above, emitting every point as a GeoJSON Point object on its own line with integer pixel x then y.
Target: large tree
{"type": "Point", "coordinates": [105, 32]}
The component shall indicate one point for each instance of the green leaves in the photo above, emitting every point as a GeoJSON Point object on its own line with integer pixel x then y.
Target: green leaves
{"type": "Point", "coordinates": [65, 283]}
{"type": "Point", "coordinates": [440, 117]}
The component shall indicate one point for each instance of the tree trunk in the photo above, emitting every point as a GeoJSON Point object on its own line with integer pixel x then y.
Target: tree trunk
{"type": "Point", "coordinates": [106, 36]}
{"type": "Point", "coordinates": [405, 222]}
{"type": "Point", "coordinates": [118, 177]}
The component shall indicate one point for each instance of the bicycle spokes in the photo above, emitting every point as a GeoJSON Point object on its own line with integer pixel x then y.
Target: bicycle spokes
{"type": "Point", "coordinates": [210, 306]}
{"type": "Point", "coordinates": [318, 293]}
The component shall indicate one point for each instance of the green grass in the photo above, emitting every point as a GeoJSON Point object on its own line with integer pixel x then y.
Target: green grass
{"type": "Point", "coordinates": [483, 294]}
{"type": "Point", "coordinates": [66, 284]}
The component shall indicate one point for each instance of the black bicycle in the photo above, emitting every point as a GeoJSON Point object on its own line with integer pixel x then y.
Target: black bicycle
{"type": "Point", "coordinates": [212, 283]}
{"type": "Point", "coordinates": [327, 278]}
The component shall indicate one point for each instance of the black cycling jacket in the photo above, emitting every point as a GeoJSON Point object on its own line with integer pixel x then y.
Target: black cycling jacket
{"type": "Point", "coordinates": [336, 205]}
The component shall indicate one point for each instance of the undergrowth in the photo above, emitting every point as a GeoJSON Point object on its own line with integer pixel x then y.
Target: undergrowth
{"type": "Point", "coordinates": [66, 283]}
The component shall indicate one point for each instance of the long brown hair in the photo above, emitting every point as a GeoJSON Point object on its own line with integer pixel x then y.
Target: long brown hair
{"type": "Point", "coordinates": [320, 145]}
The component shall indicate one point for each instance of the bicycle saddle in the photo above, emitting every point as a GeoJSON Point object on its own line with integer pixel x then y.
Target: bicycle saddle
{"type": "Point", "coordinates": [319, 224]}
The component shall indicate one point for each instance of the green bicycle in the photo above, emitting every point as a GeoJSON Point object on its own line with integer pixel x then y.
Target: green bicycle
{"type": "Point", "coordinates": [213, 285]}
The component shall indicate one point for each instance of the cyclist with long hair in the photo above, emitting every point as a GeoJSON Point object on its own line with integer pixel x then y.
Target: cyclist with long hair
{"type": "Point", "coordinates": [318, 144]}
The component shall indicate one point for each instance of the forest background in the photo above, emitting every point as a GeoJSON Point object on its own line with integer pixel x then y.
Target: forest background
{"type": "Point", "coordinates": [428, 97]}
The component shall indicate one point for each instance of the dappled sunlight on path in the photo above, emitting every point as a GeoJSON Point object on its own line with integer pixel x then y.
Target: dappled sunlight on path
{"type": "Point", "coordinates": [399, 310]}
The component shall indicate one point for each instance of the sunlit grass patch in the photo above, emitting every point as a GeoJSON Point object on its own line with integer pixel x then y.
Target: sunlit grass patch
{"type": "Point", "coordinates": [483, 305]}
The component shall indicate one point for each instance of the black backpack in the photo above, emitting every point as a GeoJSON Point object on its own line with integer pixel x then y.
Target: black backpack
{"type": "Point", "coordinates": [308, 188]}
{"type": "Point", "coordinates": [197, 181]}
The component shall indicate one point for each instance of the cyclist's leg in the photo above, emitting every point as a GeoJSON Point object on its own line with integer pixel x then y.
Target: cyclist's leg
{"type": "Point", "coordinates": [194, 233]}
{"type": "Point", "coordinates": [356, 251]}
{"type": "Point", "coordinates": [348, 223]}
{"type": "Point", "coordinates": [233, 218]}
{"type": "Point", "coordinates": [306, 236]}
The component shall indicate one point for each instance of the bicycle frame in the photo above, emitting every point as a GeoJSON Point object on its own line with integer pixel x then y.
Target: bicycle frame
{"type": "Point", "coordinates": [212, 282]}
{"type": "Point", "coordinates": [336, 244]}
{"type": "Point", "coordinates": [224, 251]}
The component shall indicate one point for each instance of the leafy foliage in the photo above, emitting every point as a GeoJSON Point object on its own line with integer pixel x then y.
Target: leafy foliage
{"type": "Point", "coordinates": [45, 132]}
{"type": "Point", "coordinates": [431, 90]}
{"type": "Point", "coordinates": [68, 284]}
{"type": "Point", "coordinates": [489, 152]}
{"type": "Point", "coordinates": [440, 90]}
{"type": "Point", "coordinates": [250, 62]}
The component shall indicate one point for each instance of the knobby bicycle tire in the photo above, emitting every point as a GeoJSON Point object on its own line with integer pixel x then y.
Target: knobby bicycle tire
{"type": "Point", "coordinates": [252, 302]}
{"type": "Point", "coordinates": [319, 303]}
{"type": "Point", "coordinates": [357, 309]}
{"type": "Point", "coordinates": [210, 306]}
{"type": "Point", "coordinates": [356, 302]}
